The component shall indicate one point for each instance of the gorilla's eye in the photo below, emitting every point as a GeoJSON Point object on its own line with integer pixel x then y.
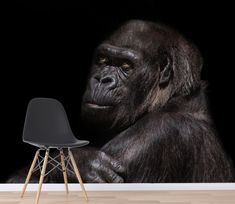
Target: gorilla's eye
{"type": "Point", "coordinates": [102, 60]}
{"type": "Point", "coordinates": [126, 66]}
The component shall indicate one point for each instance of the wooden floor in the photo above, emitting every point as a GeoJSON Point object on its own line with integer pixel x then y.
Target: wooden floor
{"type": "Point", "coordinates": [128, 197]}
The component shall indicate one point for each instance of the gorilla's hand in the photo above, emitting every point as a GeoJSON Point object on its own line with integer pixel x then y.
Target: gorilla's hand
{"type": "Point", "coordinates": [101, 168]}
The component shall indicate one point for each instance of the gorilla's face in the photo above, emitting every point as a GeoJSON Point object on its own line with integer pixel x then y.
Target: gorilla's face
{"type": "Point", "coordinates": [136, 71]}
{"type": "Point", "coordinates": [113, 86]}
{"type": "Point", "coordinates": [110, 76]}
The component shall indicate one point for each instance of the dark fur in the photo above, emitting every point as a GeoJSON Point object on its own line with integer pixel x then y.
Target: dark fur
{"type": "Point", "coordinates": [158, 125]}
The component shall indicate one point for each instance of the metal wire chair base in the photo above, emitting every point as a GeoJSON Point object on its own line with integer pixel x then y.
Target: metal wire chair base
{"type": "Point", "coordinates": [53, 163]}
{"type": "Point", "coordinates": [66, 164]}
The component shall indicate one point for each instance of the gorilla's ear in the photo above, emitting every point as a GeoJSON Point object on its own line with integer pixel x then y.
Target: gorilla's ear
{"type": "Point", "coordinates": [187, 64]}
{"type": "Point", "coordinates": [166, 69]}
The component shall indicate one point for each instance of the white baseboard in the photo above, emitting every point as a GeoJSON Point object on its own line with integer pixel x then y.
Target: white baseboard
{"type": "Point", "coordinates": [123, 187]}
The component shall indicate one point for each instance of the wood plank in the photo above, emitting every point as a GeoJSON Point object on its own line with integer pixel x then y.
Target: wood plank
{"type": "Point", "coordinates": [123, 197]}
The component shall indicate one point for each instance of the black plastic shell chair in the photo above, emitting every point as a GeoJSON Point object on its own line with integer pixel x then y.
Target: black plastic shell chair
{"type": "Point", "coordinates": [46, 126]}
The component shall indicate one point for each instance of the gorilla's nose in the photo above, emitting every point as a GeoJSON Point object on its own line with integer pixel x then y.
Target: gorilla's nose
{"type": "Point", "coordinates": [109, 82]}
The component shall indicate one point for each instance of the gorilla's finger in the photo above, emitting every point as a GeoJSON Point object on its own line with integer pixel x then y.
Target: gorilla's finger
{"type": "Point", "coordinates": [93, 177]}
{"type": "Point", "coordinates": [107, 158]}
{"type": "Point", "coordinates": [113, 163]}
{"type": "Point", "coordinates": [116, 165]}
{"type": "Point", "coordinates": [117, 179]}
{"type": "Point", "coordinates": [107, 173]}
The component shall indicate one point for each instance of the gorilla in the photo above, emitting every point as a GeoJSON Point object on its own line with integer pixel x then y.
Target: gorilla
{"type": "Point", "coordinates": [147, 100]}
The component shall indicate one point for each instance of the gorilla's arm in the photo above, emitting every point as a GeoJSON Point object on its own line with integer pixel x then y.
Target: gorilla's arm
{"type": "Point", "coordinates": [155, 150]}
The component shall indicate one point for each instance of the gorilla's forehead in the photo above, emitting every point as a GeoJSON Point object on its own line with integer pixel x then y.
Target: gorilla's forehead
{"type": "Point", "coordinates": [139, 35]}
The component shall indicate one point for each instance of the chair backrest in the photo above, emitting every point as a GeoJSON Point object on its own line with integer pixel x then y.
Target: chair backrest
{"type": "Point", "coordinates": [47, 123]}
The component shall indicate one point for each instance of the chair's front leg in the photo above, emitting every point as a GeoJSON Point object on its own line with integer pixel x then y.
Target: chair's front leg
{"type": "Point", "coordinates": [77, 174]}
{"type": "Point", "coordinates": [64, 170]}
{"type": "Point", "coordinates": [42, 175]}
{"type": "Point", "coordinates": [30, 172]}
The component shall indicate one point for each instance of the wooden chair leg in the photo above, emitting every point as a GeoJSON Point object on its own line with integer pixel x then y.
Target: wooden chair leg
{"type": "Point", "coordinates": [64, 171]}
{"type": "Point", "coordinates": [30, 172]}
{"type": "Point", "coordinates": [42, 175]}
{"type": "Point", "coordinates": [78, 174]}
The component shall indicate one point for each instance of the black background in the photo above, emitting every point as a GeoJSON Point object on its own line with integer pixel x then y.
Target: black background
{"type": "Point", "coordinates": [47, 50]}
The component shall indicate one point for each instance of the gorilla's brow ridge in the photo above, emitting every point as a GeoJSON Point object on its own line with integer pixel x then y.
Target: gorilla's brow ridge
{"type": "Point", "coordinates": [119, 51]}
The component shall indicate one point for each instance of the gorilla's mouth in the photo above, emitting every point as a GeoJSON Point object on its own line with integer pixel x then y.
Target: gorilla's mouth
{"type": "Point", "coordinates": [98, 100]}
{"type": "Point", "coordinates": [97, 106]}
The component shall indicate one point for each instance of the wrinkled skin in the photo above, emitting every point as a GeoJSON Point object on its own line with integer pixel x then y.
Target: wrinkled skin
{"type": "Point", "coordinates": [146, 101]}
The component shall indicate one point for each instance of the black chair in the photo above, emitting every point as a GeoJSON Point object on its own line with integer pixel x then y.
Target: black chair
{"type": "Point", "coordinates": [46, 126]}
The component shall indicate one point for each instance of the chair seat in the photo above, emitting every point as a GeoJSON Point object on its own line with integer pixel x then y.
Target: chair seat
{"type": "Point", "coordinates": [77, 143]}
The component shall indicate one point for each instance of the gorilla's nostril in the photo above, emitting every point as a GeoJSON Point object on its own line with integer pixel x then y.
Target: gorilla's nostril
{"type": "Point", "coordinates": [97, 78]}
{"type": "Point", "coordinates": [109, 82]}
{"type": "Point", "coordinates": [106, 80]}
